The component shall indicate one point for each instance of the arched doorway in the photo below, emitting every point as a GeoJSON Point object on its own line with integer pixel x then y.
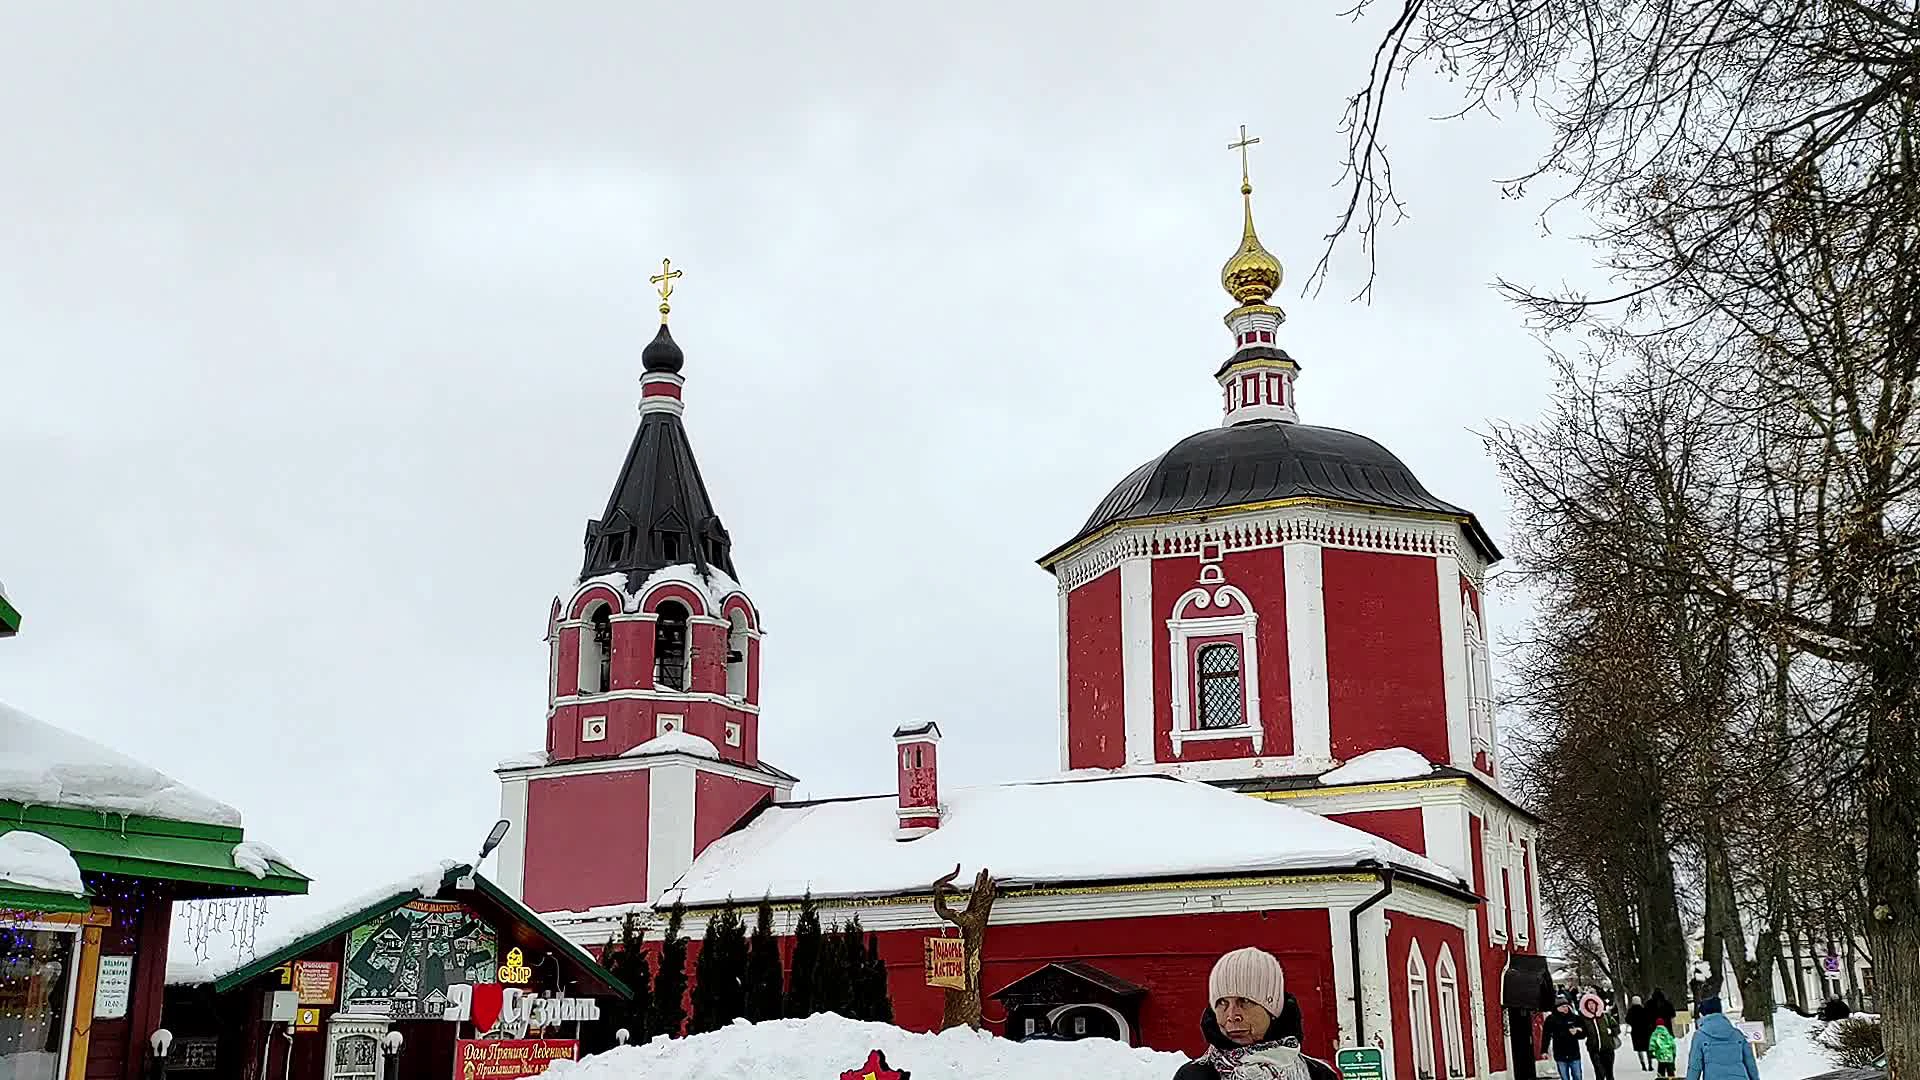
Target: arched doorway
{"type": "Point", "coordinates": [1087, 1020]}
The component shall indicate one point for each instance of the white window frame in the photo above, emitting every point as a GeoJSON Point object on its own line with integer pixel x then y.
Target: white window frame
{"type": "Point", "coordinates": [593, 729]}
{"type": "Point", "coordinates": [1182, 629]}
{"type": "Point", "coordinates": [1494, 859]}
{"type": "Point", "coordinates": [1453, 1041]}
{"type": "Point", "coordinates": [1420, 1015]}
{"type": "Point", "coordinates": [1479, 684]}
{"type": "Point", "coordinates": [1523, 905]}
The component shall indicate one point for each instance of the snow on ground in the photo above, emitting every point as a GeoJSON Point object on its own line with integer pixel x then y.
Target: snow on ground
{"type": "Point", "coordinates": [826, 1045]}
{"type": "Point", "coordinates": [47, 766]}
{"type": "Point", "coordinates": [676, 742]}
{"type": "Point", "coordinates": [1797, 1052]}
{"type": "Point", "coordinates": [1380, 766]}
{"type": "Point", "coordinates": [1119, 828]}
{"type": "Point", "coordinates": [32, 861]}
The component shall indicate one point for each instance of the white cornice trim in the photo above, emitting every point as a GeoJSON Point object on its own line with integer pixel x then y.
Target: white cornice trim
{"type": "Point", "coordinates": [675, 696]}
{"type": "Point", "coordinates": [1376, 530]}
{"type": "Point", "coordinates": [596, 766]}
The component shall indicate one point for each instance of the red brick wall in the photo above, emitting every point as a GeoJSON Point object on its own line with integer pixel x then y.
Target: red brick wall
{"type": "Point", "coordinates": [1096, 718]}
{"type": "Point", "coordinates": [1404, 827]}
{"type": "Point", "coordinates": [1261, 575]}
{"type": "Point", "coordinates": [1404, 934]}
{"type": "Point", "coordinates": [586, 840]}
{"type": "Point", "coordinates": [1385, 682]}
{"type": "Point", "coordinates": [719, 803]}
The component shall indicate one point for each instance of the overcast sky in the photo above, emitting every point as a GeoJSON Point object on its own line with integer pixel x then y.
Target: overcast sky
{"type": "Point", "coordinates": [320, 333]}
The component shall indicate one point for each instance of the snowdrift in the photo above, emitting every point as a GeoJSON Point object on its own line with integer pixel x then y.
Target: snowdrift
{"type": "Point", "coordinates": [822, 1047]}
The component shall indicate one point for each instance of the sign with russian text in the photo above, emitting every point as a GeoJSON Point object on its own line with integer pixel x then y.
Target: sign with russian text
{"type": "Point", "coordinates": [1360, 1063]}
{"type": "Point", "coordinates": [401, 964]}
{"type": "Point", "coordinates": [515, 971]}
{"type": "Point", "coordinates": [947, 963]}
{"type": "Point", "coordinates": [316, 981]}
{"type": "Point", "coordinates": [114, 987]}
{"type": "Point", "coordinates": [509, 1059]}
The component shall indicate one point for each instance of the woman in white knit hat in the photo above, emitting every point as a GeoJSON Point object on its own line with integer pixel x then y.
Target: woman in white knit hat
{"type": "Point", "coordinates": [1247, 1038]}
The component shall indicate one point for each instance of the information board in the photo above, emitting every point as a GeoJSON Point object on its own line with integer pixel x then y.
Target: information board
{"type": "Point", "coordinates": [947, 963]}
{"type": "Point", "coordinates": [509, 1059]}
{"type": "Point", "coordinates": [114, 987]}
{"type": "Point", "coordinates": [1360, 1063]}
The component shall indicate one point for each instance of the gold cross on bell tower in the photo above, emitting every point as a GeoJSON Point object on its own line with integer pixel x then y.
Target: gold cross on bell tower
{"type": "Point", "coordinates": [663, 282]}
{"type": "Point", "coordinates": [1246, 185]}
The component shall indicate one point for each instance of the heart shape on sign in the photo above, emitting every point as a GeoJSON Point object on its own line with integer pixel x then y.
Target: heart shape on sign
{"type": "Point", "coordinates": [487, 999]}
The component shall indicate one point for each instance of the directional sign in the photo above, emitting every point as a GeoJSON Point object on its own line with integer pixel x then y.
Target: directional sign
{"type": "Point", "coordinates": [1360, 1063]}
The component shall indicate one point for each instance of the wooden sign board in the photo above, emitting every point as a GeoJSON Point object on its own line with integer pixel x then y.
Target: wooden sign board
{"type": "Point", "coordinates": [316, 981]}
{"type": "Point", "coordinates": [947, 963]}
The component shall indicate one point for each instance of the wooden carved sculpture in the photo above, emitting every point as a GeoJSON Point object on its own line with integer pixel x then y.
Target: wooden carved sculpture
{"type": "Point", "coordinates": [963, 1006]}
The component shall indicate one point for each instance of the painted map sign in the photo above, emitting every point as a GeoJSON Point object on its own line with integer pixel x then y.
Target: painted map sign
{"type": "Point", "coordinates": [1359, 1063]}
{"type": "Point", "coordinates": [947, 963]}
{"type": "Point", "coordinates": [401, 964]}
{"type": "Point", "coordinates": [509, 1059]}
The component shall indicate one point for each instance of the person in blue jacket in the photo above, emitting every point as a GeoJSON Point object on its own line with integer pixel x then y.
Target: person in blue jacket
{"type": "Point", "coordinates": [1720, 1051]}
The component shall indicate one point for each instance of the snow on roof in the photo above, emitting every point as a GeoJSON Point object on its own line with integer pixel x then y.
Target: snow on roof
{"type": "Point", "coordinates": [828, 1045]}
{"type": "Point", "coordinates": [1379, 766]}
{"type": "Point", "coordinates": [48, 766]}
{"type": "Point", "coordinates": [676, 742]}
{"type": "Point", "coordinates": [533, 759]}
{"type": "Point", "coordinates": [1119, 828]}
{"type": "Point", "coordinates": [714, 586]}
{"type": "Point", "coordinates": [32, 861]}
{"type": "Point", "coordinates": [293, 918]}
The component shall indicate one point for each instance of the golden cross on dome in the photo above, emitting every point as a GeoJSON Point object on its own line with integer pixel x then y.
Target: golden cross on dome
{"type": "Point", "coordinates": [663, 283]}
{"type": "Point", "coordinates": [1242, 147]}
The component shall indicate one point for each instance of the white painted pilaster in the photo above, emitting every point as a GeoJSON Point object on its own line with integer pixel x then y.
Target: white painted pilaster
{"type": "Point", "coordinates": [1307, 652]}
{"type": "Point", "coordinates": [1136, 657]}
{"type": "Point", "coordinates": [669, 825]}
{"type": "Point", "coordinates": [1377, 998]}
{"type": "Point", "coordinates": [1342, 937]}
{"type": "Point", "coordinates": [510, 858]}
{"type": "Point", "coordinates": [1064, 741]}
{"type": "Point", "coordinates": [1448, 839]}
{"type": "Point", "coordinates": [1477, 997]}
{"type": "Point", "coordinates": [1453, 661]}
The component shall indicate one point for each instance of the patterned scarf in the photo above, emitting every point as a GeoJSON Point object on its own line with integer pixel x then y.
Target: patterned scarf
{"type": "Point", "coordinates": [1261, 1061]}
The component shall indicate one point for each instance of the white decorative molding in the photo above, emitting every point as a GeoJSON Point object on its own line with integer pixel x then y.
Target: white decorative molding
{"type": "Point", "coordinates": [1357, 530]}
{"type": "Point", "coordinates": [593, 729]}
{"type": "Point", "coordinates": [1453, 661]}
{"type": "Point", "coordinates": [510, 862]}
{"type": "Point", "coordinates": [670, 812]}
{"type": "Point", "coordinates": [1307, 651]}
{"type": "Point", "coordinates": [678, 697]}
{"type": "Point", "coordinates": [1066, 726]}
{"type": "Point", "coordinates": [1182, 629]}
{"type": "Point", "coordinates": [595, 766]}
{"type": "Point", "coordinates": [667, 724]}
{"type": "Point", "coordinates": [1136, 658]}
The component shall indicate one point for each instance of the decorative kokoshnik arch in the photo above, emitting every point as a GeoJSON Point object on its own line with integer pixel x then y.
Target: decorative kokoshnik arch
{"type": "Point", "coordinates": [1215, 665]}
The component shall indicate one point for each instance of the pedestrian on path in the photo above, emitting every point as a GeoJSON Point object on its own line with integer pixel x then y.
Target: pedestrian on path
{"type": "Point", "coordinates": [1603, 1041]}
{"type": "Point", "coordinates": [1719, 1050]}
{"type": "Point", "coordinates": [1564, 1032]}
{"type": "Point", "coordinates": [1662, 1047]}
{"type": "Point", "coordinates": [1640, 1026]}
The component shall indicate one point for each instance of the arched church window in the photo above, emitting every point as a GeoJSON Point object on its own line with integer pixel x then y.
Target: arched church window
{"type": "Point", "coordinates": [1219, 687]}
{"type": "Point", "coordinates": [737, 655]}
{"type": "Point", "coordinates": [596, 651]}
{"type": "Point", "coordinates": [1420, 1014]}
{"type": "Point", "coordinates": [670, 646]}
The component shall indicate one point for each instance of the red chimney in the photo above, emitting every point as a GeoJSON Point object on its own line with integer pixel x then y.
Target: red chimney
{"type": "Point", "coordinates": [918, 746]}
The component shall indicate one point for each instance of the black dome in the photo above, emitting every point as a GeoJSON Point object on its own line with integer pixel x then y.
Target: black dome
{"type": "Point", "coordinates": [1264, 460]}
{"type": "Point", "coordinates": [662, 353]}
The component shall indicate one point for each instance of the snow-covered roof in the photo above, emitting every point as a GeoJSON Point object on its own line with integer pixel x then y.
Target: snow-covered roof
{"type": "Point", "coordinates": [32, 861]}
{"type": "Point", "coordinates": [532, 759]}
{"type": "Point", "coordinates": [295, 919]}
{"type": "Point", "coordinates": [48, 766]}
{"type": "Point", "coordinates": [1380, 766]}
{"type": "Point", "coordinates": [676, 742]}
{"type": "Point", "coordinates": [713, 586]}
{"type": "Point", "coordinates": [1117, 828]}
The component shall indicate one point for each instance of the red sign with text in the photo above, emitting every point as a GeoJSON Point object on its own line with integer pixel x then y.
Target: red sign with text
{"type": "Point", "coordinates": [509, 1059]}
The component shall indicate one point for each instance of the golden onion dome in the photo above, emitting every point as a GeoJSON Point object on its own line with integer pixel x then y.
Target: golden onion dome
{"type": "Point", "coordinates": [1252, 275]}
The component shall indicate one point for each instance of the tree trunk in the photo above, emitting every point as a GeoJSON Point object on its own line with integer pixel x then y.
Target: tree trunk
{"type": "Point", "coordinates": [1663, 944]}
{"type": "Point", "coordinates": [962, 1007]}
{"type": "Point", "coordinates": [1893, 854]}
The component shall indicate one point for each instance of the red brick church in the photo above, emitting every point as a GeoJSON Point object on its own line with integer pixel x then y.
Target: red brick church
{"type": "Point", "coordinates": [1275, 730]}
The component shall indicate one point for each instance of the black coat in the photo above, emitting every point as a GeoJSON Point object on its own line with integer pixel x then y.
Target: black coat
{"type": "Point", "coordinates": [1640, 1023]}
{"type": "Point", "coordinates": [1285, 1026]}
{"type": "Point", "coordinates": [1661, 1009]}
{"type": "Point", "coordinates": [1563, 1033]}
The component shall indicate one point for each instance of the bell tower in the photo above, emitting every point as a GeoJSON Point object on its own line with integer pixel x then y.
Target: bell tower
{"type": "Point", "coordinates": [652, 746]}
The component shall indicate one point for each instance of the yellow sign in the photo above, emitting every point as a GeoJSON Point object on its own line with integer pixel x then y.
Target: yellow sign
{"type": "Point", "coordinates": [515, 971]}
{"type": "Point", "coordinates": [307, 1019]}
{"type": "Point", "coordinates": [947, 963]}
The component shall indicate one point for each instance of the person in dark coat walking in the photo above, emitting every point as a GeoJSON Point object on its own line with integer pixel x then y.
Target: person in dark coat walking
{"type": "Point", "coordinates": [1563, 1033]}
{"type": "Point", "coordinates": [1661, 1010]}
{"type": "Point", "coordinates": [1252, 1028]}
{"type": "Point", "coordinates": [1640, 1027]}
{"type": "Point", "coordinates": [1603, 1041]}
